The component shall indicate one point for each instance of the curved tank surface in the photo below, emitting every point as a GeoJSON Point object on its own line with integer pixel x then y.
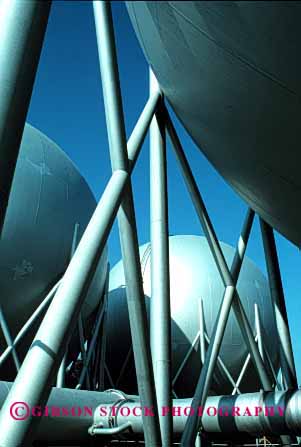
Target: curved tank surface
{"type": "Point", "coordinates": [231, 72]}
{"type": "Point", "coordinates": [48, 198]}
{"type": "Point", "coordinates": [193, 276]}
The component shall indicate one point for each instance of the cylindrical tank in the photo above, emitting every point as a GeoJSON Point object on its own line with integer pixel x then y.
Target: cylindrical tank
{"type": "Point", "coordinates": [193, 276]}
{"type": "Point", "coordinates": [48, 198]}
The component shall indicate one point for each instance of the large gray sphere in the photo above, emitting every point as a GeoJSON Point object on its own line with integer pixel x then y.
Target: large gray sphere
{"type": "Point", "coordinates": [231, 71]}
{"type": "Point", "coordinates": [48, 197]}
{"type": "Point", "coordinates": [193, 275]}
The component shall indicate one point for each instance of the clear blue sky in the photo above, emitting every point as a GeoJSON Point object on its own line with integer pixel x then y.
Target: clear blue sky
{"type": "Point", "coordinates": [67, 106]}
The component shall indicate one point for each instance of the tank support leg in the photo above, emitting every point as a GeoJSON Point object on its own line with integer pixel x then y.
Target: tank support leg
{"type": "Point", "coordinates": [60, 380]}
{"type": "Point", "coordinates": [160, 317]}
{"type": "Point", "coordinates": [277, 295]}
{"type": "Point", "coordinates": [286, 351]}
{"type": "Point", "coordinates": [22, 29]}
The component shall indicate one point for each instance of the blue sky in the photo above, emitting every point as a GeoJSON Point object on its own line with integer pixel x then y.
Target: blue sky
{"type": "Point", "coordinates": [67, 106]}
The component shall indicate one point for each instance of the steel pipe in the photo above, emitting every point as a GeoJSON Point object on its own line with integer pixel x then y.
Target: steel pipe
{"type": "Point", "coordinates": [126, 216]}
{"type": "Point", "coordinates": [258, 331]}
{"type": "Point", "coordinates": [65, 417]}
{"type": "Point", "coordinates": [83, 348]}
{"type": "Point", "coordinates": [202, 332]}
{"type": "Point", "coordinates": [60, 380]}
{"type": "Point", "coordinates": [255, 414]}
{"type": "Point", "coordinates": [84, 409]}
{"type": "Point", "coordinates": [99, 318]}
{"type": "Point", "coordinates": [286, 351]}
{"type": "Point", "coordinates": [138, 135]}
{"type": "Point", "coordinates": [160, 316]}
{"type": "Point", "coordinates": [22, 29]}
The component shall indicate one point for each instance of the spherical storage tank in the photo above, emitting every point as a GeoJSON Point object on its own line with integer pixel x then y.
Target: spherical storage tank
{"type": "Point", "coordinates": [231, 72]}
{"type": "Point", "coordinates": [48, 198]}
{"type": "Point", "coordinates": [193, 276]}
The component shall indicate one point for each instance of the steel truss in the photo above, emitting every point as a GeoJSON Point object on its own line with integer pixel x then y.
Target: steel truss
{"type": "Point", "coordinates": [45, 361]}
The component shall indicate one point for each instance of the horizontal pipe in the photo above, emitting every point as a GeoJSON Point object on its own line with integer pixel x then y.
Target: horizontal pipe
{"type": "Point", "coordinates": [255, 414]}
{"type": "Point", "coordinates": [74, 423]}
{"type": "Point", "coordinates": [87, 407]}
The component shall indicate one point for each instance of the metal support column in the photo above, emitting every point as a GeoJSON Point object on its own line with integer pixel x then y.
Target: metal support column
{"type": "Point", "coordinates": [258, 331]}
{"type": "Point", "coordinates": [60, 380]}
{"type": "Point", "coordinates": [198, 442]}
{"type": "Point", "coordinates": [100, 365]}
{"type": "Point", "coordinates": [22, 29]}
{"type": "Point", "coordinates": [160, 318]}
{"type": "Point", "coordinates": [83, 348]}
{"type": "Point", "coordinates": [286, 351]}
{"type": "Point", "coordinates": [202, 331]}
{"type": "Point", "coordinates": [126, 218]}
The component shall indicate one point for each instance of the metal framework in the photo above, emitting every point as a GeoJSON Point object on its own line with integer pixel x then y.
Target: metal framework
{"type": "Point", "coordinates": [45, 361]}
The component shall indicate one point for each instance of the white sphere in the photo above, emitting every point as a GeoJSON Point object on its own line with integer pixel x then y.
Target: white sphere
{"type": "Point", "coordinates": [193, 277]}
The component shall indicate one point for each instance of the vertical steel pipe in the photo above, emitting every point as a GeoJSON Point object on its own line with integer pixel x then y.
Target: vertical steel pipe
{"type": "Point", "coordinates": [101, 371]}
{"type": "Point", "coordinates": [22, 30]}
{"type": "Point", "coordinates": [160, 317]}
{"type": "Point", "coordinates": [261, 346]}
{"type": "Point", "coordinates": [60, 380]}
{"type": "Point", "coordinates": [91, 350]}
{"type": "Point", "coordinates": [126, 218]}
{"type": "Point", "coordinates": [83, 348]}
{"type": "Point", "coordinates": [198, 442]}
{"type": "Point", "coordinates": [202, 332]}
{"type": "Point", "coordinates": [258, 331]}
{"type": "Point", "coordinates": [286, 351]}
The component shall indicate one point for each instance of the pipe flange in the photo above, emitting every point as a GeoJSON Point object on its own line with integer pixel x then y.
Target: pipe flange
{"type": "Point", "coordinates": [112, 419]}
